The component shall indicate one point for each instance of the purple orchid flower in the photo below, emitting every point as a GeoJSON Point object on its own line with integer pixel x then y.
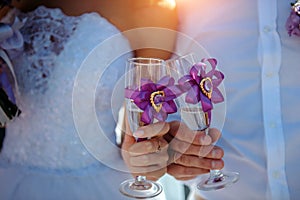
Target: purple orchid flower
{"type": "Point", "coordinates": [293, 22]}
{"type": "Point", "coordinates": [201, 86]}
{"type": "Point", "coordinates": [155, 99]}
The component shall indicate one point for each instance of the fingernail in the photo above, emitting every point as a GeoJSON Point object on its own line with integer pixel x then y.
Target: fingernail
{"type": "Point", "coordinates": [215, 153]}
{"type": "Point", "coordinates": [214, 164]}
{"type": "Point", "coordinates": [205, 140]}
{"type": "Point", "coordinates": [138, 133]}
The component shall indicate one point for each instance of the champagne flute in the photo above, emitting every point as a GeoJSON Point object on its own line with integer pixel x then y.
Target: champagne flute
{"type": "Point", "coordinates": [196, 111]}
{"type": "Point", "coordinates": [143, 76]}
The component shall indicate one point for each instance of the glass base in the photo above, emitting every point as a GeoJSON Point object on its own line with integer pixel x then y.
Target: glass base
{"type": "Point", "coordinates": [140, 188]}
{"type": "Point", "coordinates": [218, 180]}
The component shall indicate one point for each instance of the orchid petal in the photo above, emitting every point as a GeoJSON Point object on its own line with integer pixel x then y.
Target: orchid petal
{"type": "Point", "coordinates": [165, 81]}
{"type": "Point", "coordinates": [172, 92]}
{"type": "Point", "coordinates": [202, 69]}
{"type": "Point", "coordinates": [145, 81]}
{"type": "Point", "coordinates": [186, 82]}
{"type": "Point", "coordinates": [213, 64]}
{"type": "Point", "coordinates": [184, 79]}
{"type": "Point", "coordinates": [216, 96]}
{"type": "Point", "coordinates": [194, 71]}
{"type": "Point", "coordinates": [197, 72]}
{"type": "Point", "coordinates": [192, 95]}
{"type": "Point", "coordinates": [142, 96]}
{"type": "Point", "coordinates": [148, 87]}
{"type": "Point", "coordinates": [142, 104]}
{"type": "Point", "coordinates": [219, 78]}
{"type": "Point", "coordinates": [129, 93]}
{"type": "Point", "coordinates": [147, 115]}
{"type": "Point", "coordinates": [160, 116]}
{"type": "Point", "coordinates": [169, 107]}
{"type": "Point", "coordinates": [206, 103]}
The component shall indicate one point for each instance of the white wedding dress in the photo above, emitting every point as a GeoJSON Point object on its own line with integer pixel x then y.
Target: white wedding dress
{"type": "Point", "coordinates": [43, 156]}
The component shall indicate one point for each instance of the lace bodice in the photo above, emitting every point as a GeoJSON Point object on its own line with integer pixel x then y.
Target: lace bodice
{"type": "Point", "coordinates": [45, 35]}
{"type": "Point", "coordinates": [55, 46]}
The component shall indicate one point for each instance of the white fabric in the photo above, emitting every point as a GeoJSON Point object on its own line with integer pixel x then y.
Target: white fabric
{"type": "Point", "coordinates": [42, 156]}
{"type": "Point", "coordinates": [261, 66]}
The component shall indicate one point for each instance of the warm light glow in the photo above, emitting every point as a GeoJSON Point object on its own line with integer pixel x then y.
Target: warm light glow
{"type": "Point", "coordinates": [171, 4]}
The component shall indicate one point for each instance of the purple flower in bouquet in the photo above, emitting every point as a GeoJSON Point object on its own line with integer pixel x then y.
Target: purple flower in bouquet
{"type": "Point", "coordinates": [293, 22]}
{"type": "Point", "coordinates": [201, 86]}
{"type": "Point", "coordinates": [155, 99]}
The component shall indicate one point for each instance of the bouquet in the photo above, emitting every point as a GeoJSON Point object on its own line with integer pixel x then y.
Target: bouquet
{"type": "Point", "coordinates": [11, 44]}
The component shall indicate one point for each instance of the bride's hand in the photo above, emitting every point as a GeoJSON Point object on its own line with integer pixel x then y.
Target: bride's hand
{"type": "Point", "coordinates": [147, 157]}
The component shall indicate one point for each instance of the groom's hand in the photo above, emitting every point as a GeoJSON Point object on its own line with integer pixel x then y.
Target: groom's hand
{"type": "Point", "coordinates": [192, 153]}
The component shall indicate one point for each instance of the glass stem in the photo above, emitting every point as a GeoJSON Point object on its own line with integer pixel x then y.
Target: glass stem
{"type": "Point", "coordinates": [140, 179]}
{"type": "Point", "coordinates": [216, 175]}
{"type": "Point", "coordinates": [141, 183]}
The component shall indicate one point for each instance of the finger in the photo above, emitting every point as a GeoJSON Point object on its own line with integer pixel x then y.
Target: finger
{"type": "Point", "coordinates": [146, 169]}
{"type": "Point", "coordinates": [196, 150]}
{"type": "Point", "coordinates": [213, 152]}
{"type": "Point", "coordinates": [149, 159]}
{"type": "Point", "coordinates": [127, 141]}
{"type": "Point", "coordinates": [215, 134]}
{"type": "Point", "coordinates": [185, 173]}
{"type": "Point", "coordinates": [189, 149]}
{"type": "Point", "coordinates": [127, 127]}
{"type": "Point", "coordinates": [168, 137]}
{"type": "Point", "coordinates": [154, 175]}
{"type": "Point", "coordinates": [195, 161]}
{"type": "Point", "coordinates": [182, 132]}
{"type": "Point", "coordinates": [151, 130]}
{"type": "Point", "coordinates": [148, 146]}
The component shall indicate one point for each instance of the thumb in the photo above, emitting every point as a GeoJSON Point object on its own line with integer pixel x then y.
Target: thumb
{"type": "Point", "coordinates": [128, 139]}
{"type": "Point", "coordinates": [152, 130]}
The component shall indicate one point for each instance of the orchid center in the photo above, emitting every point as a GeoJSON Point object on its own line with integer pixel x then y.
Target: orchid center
{"type": "Point", "coordinates": [206, 86]}
{"type": "Point", "coordinates": [296, 7]}
{"type": "Point", "coordinates": [156, 100]}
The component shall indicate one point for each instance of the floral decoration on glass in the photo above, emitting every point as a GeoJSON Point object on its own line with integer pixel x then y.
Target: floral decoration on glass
{"type": "Point", "coordinates": [293, 22]}
{"type": "Point", "coordinates": [202, 86]}
{"type": "Point", "coordinates": [11, 45]}
{"type": "Point", "coordinates": [155, 99]}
